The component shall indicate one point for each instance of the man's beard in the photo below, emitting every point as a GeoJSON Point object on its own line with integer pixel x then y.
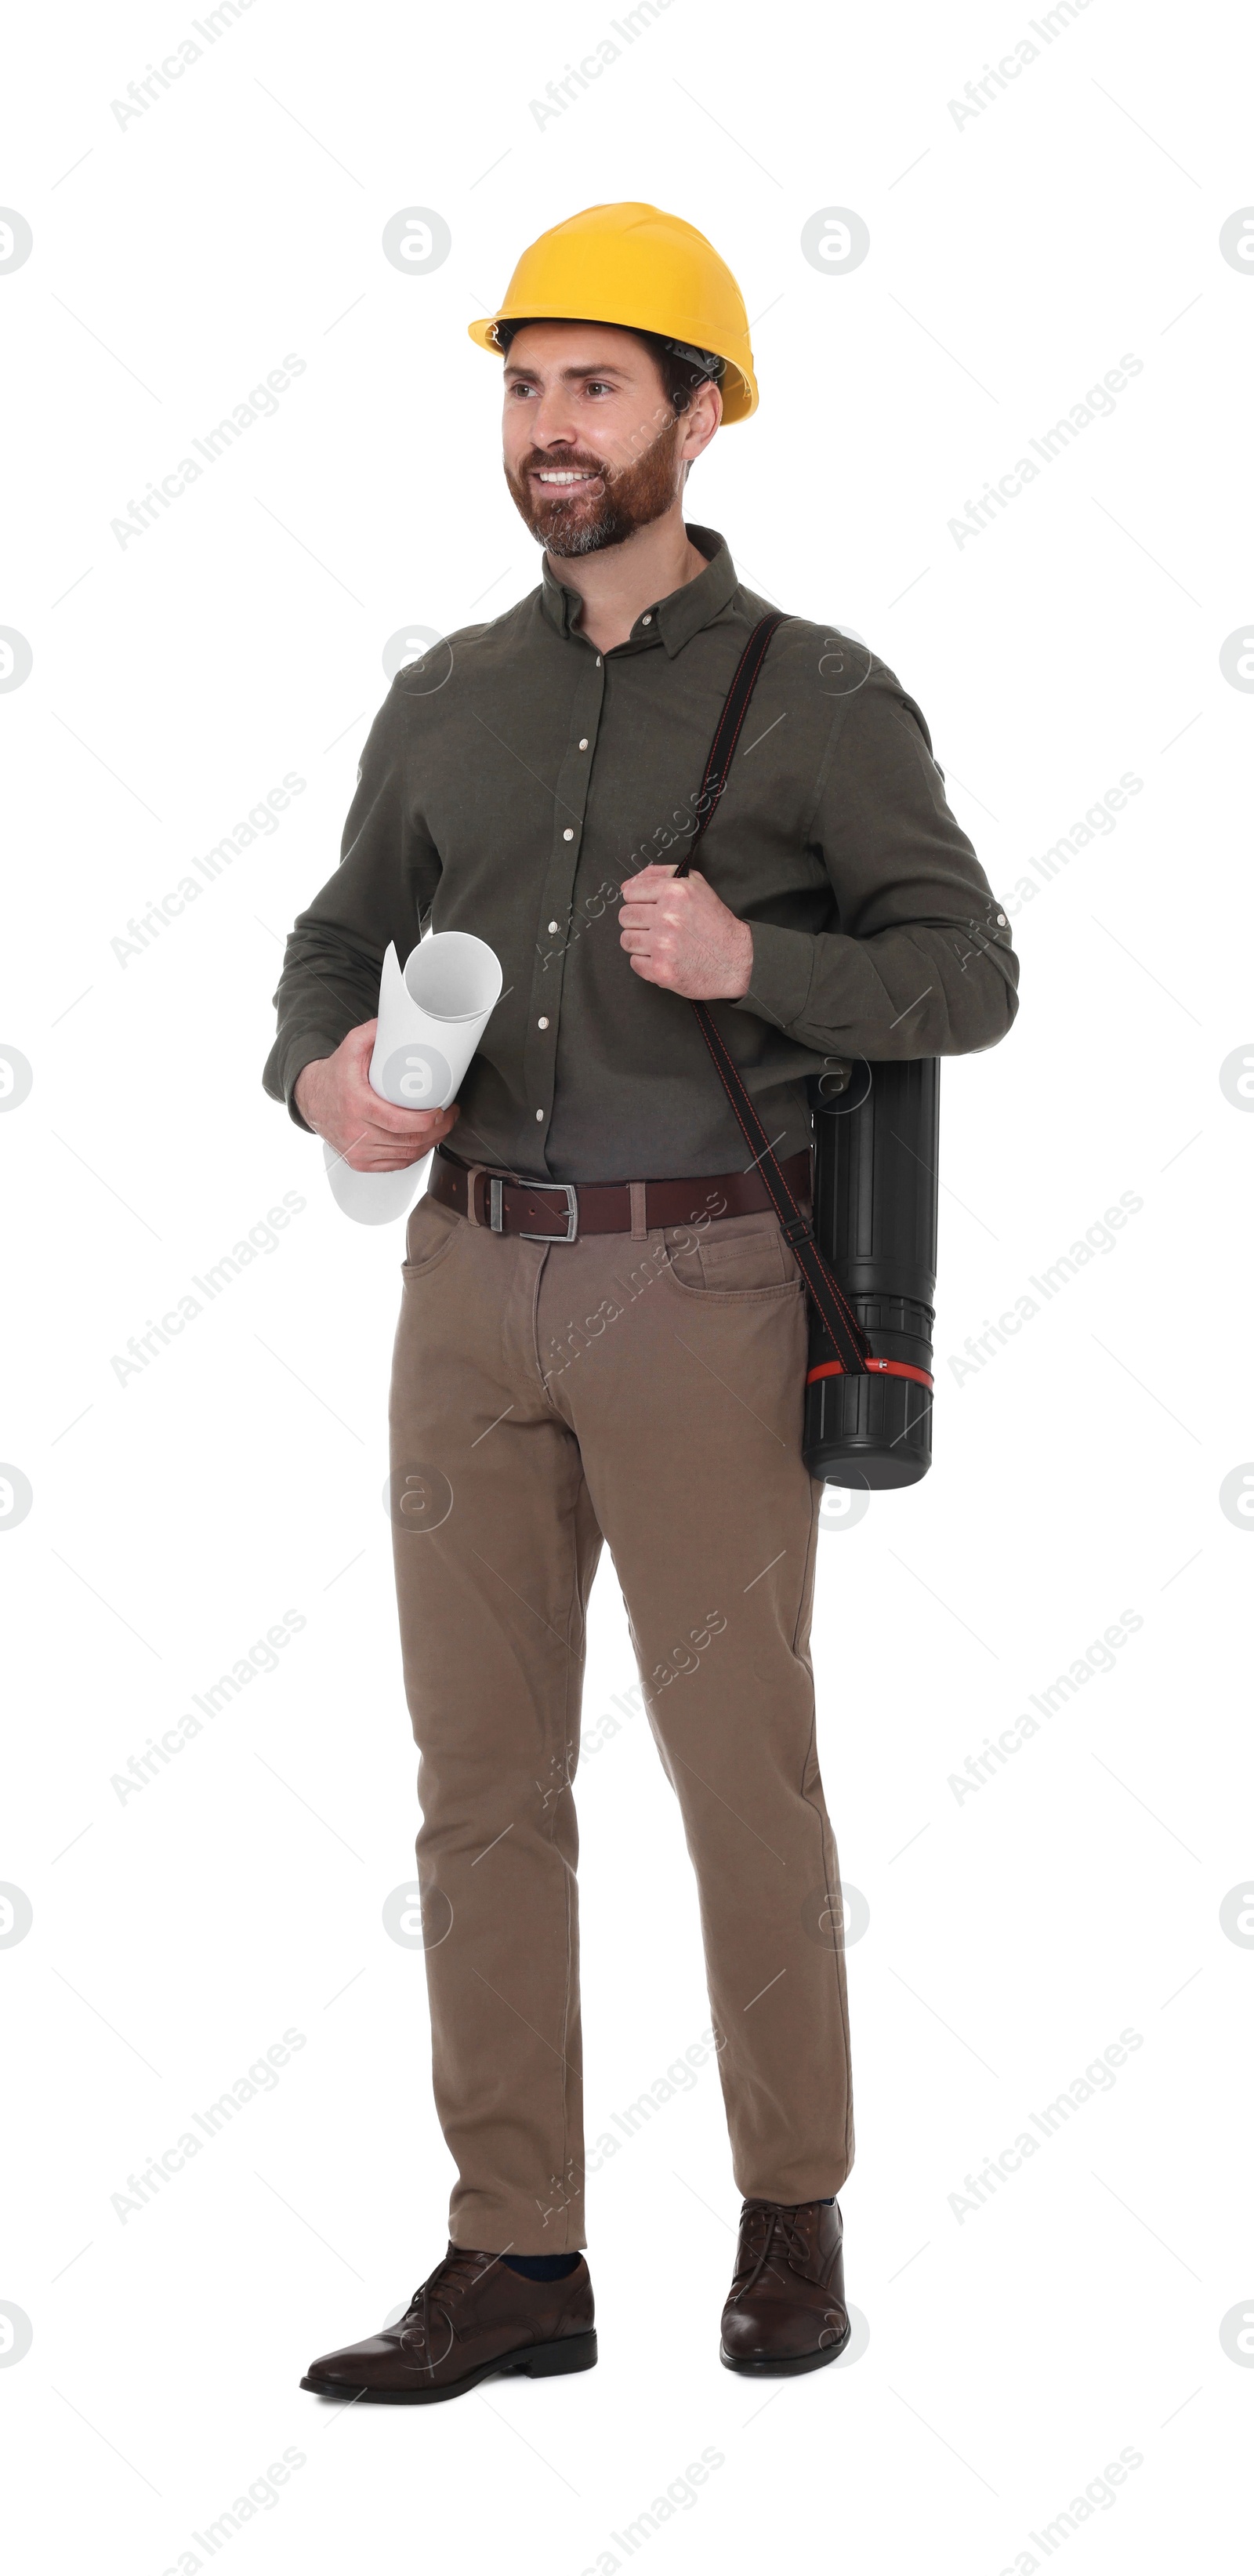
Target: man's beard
{"type": "Point", "coordinates": [633, 496]}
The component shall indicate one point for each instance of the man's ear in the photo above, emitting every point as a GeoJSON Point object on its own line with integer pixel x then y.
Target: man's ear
{"type": "Point", "coordinates": [707, 405]}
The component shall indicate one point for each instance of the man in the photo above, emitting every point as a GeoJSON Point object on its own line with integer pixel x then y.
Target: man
{"type": "Point", "coordinates": [603, 1331]}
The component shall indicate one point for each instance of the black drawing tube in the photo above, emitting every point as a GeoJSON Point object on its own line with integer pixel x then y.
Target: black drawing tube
{"type": "Point", "coordinates": [875, 1211]}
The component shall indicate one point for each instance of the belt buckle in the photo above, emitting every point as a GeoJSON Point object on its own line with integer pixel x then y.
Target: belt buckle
{"type": "Point", "coordinates": [572, 1213]}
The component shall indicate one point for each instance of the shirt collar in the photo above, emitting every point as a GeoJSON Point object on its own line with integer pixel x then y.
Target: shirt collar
{"type": "Point", "coordinates": [673, 621]}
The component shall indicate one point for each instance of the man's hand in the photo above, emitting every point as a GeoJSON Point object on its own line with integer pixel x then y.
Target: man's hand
{"type": "Point", "coordinates": [677, 933]}
{"type": "Point", "coordinates": [334, 1097]}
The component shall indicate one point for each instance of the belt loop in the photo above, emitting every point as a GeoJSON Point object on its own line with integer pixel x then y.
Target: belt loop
{"type": "Point", "coordinates": [639, 1213]}
{"type": "Point", "coordinates": [473, 1171]}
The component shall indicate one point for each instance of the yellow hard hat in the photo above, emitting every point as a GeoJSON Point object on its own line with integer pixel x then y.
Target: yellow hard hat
{"type": "Point", "coordinates": [644, 270]}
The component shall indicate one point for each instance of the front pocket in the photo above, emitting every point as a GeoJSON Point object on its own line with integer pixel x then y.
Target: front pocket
{"type": "Point", "coordinates": [430, 1236]}
{"type": "Point", "coordinates": [725, 1268]}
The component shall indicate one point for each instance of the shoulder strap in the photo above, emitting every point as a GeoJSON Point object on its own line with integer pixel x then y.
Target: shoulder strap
{"type": "Point", "coordinates": [848, 1339]}
{"type": "Point", "coordinates": [727, 732]}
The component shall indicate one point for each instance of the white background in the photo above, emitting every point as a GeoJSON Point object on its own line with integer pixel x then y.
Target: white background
{"type": "Point", "coordinates": [1014, 259]}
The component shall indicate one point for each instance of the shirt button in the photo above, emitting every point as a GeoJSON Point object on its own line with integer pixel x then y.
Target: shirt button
{"type": "Point", "coordinates": [598, 662]}
{"type": "Point", "coordinates": [584, 744]}
{"type": "Point", "coordinates": [1001, 921]}
{"type": "Point", "coordinates": [553, 925]}
{"type": "Point", "coordinates": [647, 621]}
{"type": "Point", "coordinates": [539, 1113]}
{"type": "Point", "coordinates": [568, 834]}
{"type": "Point", "coordinates": [542, 1024]}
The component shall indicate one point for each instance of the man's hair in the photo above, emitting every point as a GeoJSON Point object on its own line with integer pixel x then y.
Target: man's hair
{"type": "Point", "coordinates": [680, 367]}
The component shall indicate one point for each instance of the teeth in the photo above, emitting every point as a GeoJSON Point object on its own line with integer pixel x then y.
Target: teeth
{"type": "Point", "coordinates": [565, 478]}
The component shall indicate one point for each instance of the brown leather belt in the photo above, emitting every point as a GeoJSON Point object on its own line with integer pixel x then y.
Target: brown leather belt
{"type": "Point", "coordinates": [560, 1211]}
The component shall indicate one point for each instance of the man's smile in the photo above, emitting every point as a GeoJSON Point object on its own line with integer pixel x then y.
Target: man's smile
{"type": "Point", "coordinates": [565, 478]}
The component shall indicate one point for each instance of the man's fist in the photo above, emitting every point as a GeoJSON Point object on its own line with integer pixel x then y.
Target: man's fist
{"type": "Point", "coordinates": [334, 1097]}
{"type": "Point", "coordinates": [677, 933]}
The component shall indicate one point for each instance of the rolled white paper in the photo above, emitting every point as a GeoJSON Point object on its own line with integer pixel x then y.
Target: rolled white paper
{"type": "Point", "coordinates": [371, 1198]}
{"type": "Point", "coordinates": [431, 1019]}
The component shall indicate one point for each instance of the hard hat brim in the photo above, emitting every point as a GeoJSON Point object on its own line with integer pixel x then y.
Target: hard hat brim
{"type": "Point", "coordinates": [738, 386]}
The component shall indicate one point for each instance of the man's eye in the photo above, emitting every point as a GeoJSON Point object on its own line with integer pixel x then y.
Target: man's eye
{"type": "Point", "coordinates": [596, 388]}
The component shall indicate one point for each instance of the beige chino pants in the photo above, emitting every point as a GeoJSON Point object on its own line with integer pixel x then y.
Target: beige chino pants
{"type": "Point", "coordinates": [645, 1392]}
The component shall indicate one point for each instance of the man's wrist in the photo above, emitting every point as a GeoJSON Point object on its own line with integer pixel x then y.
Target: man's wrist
{"type": "Point", "coordinates": [304, 1092]}
{"type": "Point", "coordinates": [744, 969]}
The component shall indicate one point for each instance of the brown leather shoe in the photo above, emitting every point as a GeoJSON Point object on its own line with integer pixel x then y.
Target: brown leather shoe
{"type": "Point", "coordinates": [786, 2311]}
{"type": "Point", "coordinates": [472, 2317]}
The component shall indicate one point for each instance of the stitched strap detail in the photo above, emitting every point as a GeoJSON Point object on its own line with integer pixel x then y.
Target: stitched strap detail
{"type": "Point", "coordinates": [727, 732]}
{"type": "Point", "coordinates": [841, 1323]}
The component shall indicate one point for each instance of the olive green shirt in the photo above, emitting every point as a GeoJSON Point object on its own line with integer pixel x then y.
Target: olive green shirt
{"type": "Point", "coordinates": [515, 776]}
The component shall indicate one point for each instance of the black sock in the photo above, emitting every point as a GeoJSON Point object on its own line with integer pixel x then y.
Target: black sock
{"type": "Point", "coordinates": [542, 2267]}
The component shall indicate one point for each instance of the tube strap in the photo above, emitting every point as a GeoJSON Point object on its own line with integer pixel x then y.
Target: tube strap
{"type": "Point", "coordinates": [839, 1320]}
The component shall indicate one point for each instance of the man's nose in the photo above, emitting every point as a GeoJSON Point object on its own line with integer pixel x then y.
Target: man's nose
{"type": "Point", "coordinates": [554, 425]}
